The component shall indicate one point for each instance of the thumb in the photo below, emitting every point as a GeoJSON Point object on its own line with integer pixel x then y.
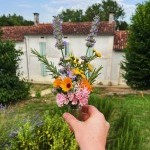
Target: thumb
{"type": "Point", "coordinates": [71, 120]}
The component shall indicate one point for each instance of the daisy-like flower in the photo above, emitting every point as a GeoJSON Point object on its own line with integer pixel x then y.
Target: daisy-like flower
{"type": "Point", "coordinates": [85, 84]}
{"type": "Point", "coordinates": [66, 84]}
{"type": "Point", "coordinates": [82, 95]}
{"type": "Point", "coordinates": [57, 82]}
{"type": "Point", "coordinates": [61, 99]}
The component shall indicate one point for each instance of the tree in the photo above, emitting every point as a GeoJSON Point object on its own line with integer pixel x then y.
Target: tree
{"type": "Point", "coordinates": [137, 54]}
{"type": "Point", "coordinates": [12, 20]}
{"type": "Point", "coordinates": [12, 88]}
{"type": "Point", "coordinates": [71, 15]}
{"type": "Point", "coordinates": [101, 9]}
{"type": "Point", "coordinates": [104, 9]}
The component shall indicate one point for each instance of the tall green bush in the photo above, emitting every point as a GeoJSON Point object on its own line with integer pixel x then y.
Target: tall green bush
{"type": "Point", "coordinates": [11, 87]}
{"type": "Point", "coordinates": [137, 53]}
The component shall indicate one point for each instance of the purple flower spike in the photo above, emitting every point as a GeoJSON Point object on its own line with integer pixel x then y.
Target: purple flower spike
{"type": "Point", "coordinates": [94, 29]}
{"type": "Point", "coordinates": [57, 25]}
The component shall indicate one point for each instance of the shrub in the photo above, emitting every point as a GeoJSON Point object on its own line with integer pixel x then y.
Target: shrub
{"type": "Point", "coordinates": [51, 133]}
{"type": "Point", "coordinates": [137, 53]}
{"type": "Point", "coordinates": [11, 87]}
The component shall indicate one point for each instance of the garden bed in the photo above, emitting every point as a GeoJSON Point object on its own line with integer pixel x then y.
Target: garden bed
{"type": "Point", "coordinates": [33, 110]}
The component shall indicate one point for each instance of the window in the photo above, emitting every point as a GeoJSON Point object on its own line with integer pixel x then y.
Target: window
{"type": "Point", "coordinates": [42, 46]}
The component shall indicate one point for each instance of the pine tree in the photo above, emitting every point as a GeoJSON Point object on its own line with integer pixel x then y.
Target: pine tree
{"type": "Point", "coordinates": [137, 54]}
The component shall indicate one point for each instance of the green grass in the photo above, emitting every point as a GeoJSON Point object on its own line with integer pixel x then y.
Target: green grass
{"type": "Point", "coordinates": [134, 105]}
{"type": "Point", "coordinates": [138, 107]}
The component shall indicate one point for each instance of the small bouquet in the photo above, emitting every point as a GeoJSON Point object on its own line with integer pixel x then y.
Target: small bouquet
{"type": "Point", "coordinates": [73, 80]}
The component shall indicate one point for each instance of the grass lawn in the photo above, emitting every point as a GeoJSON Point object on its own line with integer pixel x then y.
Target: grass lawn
{"type": "Point", "coordinates": [136, 105]}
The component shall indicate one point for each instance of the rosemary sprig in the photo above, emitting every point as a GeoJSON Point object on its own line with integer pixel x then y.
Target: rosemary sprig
{"type": "Point", "coordinates": [49, 65]}
{"type": "Point", "coordinates": [95, 74]}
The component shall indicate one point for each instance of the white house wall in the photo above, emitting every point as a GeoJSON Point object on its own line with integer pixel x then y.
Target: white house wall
{"type": "Point", "coordinates": [104, 44]}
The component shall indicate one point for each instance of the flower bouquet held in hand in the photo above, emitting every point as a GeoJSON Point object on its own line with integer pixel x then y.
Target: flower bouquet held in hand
{"type": "Point", "coordinates": [73, 80]}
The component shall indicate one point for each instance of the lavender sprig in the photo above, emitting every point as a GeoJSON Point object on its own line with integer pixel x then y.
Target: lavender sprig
{"type": "Point", "coordinates": [94, 29]}
{"type": "Point", "coordinates": [57, 25]}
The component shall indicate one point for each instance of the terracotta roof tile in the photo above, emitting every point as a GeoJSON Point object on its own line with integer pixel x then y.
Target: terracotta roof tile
{"type": "Point", "coordinates": [120, 40]}
{"type": "Point", "coordinates": [16, 33]}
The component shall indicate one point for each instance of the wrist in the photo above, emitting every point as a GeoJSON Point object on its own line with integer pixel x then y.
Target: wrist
{"type": "Point", "coordinates": [92, 146]}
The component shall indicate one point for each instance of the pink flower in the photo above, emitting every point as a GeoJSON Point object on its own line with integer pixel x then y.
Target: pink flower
{"type": "Point", "coordinates": [61, 99]}
{"type": "Point", "coordinates": [82, 96]}
{"type": "Point", "coordinates": [72, 98]}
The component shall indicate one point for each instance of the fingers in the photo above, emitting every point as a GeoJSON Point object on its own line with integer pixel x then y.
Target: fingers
{"type": "Point", "coordinates": [72, 121]}
{"type": "Point", "coordinates": [85, 116]}
{"type": "Point", "coordinates": [107, 126]}
{"type": "Point", "coordinates": [91, 110]}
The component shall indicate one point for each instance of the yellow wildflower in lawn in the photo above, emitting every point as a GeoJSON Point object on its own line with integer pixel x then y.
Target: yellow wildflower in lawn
{"type": "Point", "coordinates": [66, 84]}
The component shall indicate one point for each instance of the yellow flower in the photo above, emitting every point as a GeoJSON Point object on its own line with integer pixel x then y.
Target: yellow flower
{"type": "Point", "coordinates": [79, 72]}
{"type": "Point", "coordinates": [94, 50]}
{"type": "Point", "coordinates": [66, 84]}
{"type": "Point", "coordinates": [83, 76]}
{"type": "Point", "coordinates": [57, 82]}
{"type": "Point", "coordinates": [76, 71]}
{"type": "Point", "coordinates": [90, 67]}
{"type": "Point", "coordinates": [97, 54]}
{"type": "Point", "coordinates": [85, 83]}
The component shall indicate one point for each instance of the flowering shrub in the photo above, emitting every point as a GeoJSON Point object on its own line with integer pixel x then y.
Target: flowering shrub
{"type": "Point", "coordinates": [72, 82]}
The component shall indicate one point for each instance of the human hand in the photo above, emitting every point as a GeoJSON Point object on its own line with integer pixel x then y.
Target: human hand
{"type": "Point", "coordinates": [91, 134]}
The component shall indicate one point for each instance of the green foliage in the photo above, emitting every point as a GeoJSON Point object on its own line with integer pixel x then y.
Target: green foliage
{"type": "Point", "coordinates": [11, 88]}
{"type": "Point", "coordinates": [126, 135]}
{"type": "Point", "coordinates": [38, 94]}
{"type": "Point", "coordinates": [52, 133]}
{"type": "Point", "coordinates": [71, 15]}
{"type": "Point", "coordinates": [103, 105]}
{"type": "Point", "coordinates": [14, 19]}
{"type": "Point", "coordinates": [137, 54]}
{"type": "Point", "coordinates": [37, 132]}
{"type": "Point", "coordinates": [104, 9]}
{"type": "Point", "coordinates": [122, 25]}
{"type": "Point", "coordinates": [98, 9]}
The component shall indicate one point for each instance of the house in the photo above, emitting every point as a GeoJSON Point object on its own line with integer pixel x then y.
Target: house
{"type": "Point", "coordinates": [109, 42]}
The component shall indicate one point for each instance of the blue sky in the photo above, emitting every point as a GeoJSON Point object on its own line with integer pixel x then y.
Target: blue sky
{"type": "Point", "coordinates": [49, 8]}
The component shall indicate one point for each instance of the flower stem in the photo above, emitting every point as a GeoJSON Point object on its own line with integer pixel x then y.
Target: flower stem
{"type": "Point", "coordinates": [62, 54]}
{"type": "Point", "coordinates": [87, 50]}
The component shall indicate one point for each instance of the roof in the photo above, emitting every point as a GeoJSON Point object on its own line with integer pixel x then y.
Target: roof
{"type": "Point", "coordinates": [120, 40]}
{"type": "Point", "coordinates": [17, 33]}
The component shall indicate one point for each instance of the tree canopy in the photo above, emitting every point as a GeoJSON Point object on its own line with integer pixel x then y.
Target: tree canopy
{"type": "Point", "coordinates": [14, 19]}
{"type": "Point", "coordinates": [137, 55]}
{"type": "Point", "coordinates": [101, 9]}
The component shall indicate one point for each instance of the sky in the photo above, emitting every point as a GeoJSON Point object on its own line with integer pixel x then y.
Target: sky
{"type": "Point", "coordinates": [49, 8]}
